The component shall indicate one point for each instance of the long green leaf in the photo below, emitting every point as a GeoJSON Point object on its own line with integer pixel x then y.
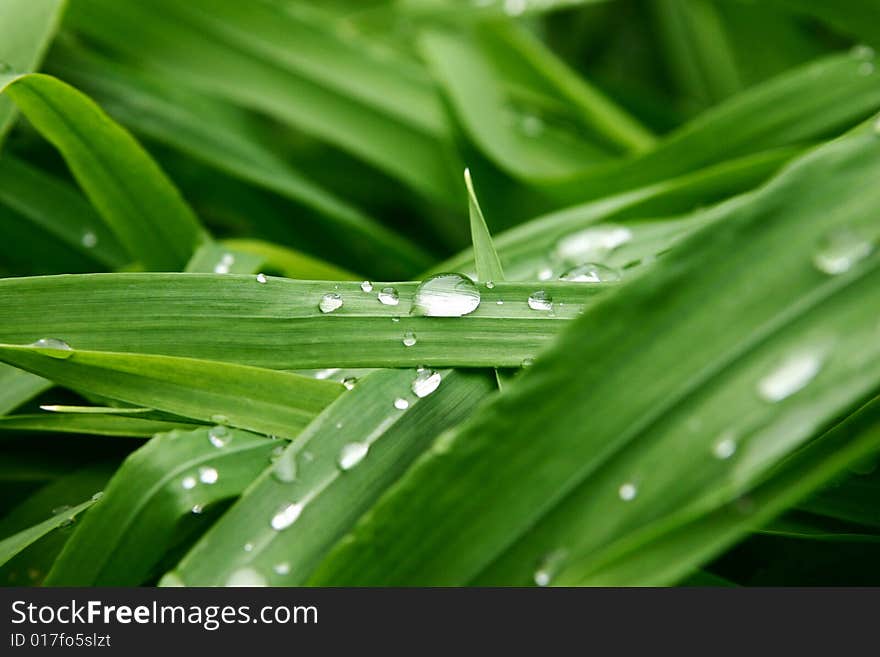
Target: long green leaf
{"type": "Point", "coordinates": [89, 424]}
{"type": "Point", "coordinates": [13, 545]}
{"type": "Point", "coordinates": [17, 387]}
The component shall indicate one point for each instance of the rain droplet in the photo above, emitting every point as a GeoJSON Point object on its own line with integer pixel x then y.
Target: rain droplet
{"type": "Point", "coordinates": [545, 274]}
{"type": "Point", "coordinates": [285, 468]}
{"type": "Point", "coordinates": [248, 547]}
{"type": "Point", "coordinates": [188, 483]}
{"type": "Point", "coordinates": [89, 239]}
{"type": "Point", "coordinates": [286, 516]}
{"type": "Point", "coordinates": [225, 264]}
{"type": "Point", "coordinates": [54, 348]}
{"type": "Point", "coordinates": [395, 319]}
{"type": "Point", "coordinates": [446, 295]}
{"type": "Point", "coordinates": [426, 382]}
{"type": "Point", "coordinates": [401, 404]}
{"type": "Point", "coordinates": [725, 447]}
{"type": "Point", "coordinates": [490, 285]}
{"type": "Point", "coordinates": [591, 272]}
{"type": "Point", "coordinates": [592, 244]}
{"type": "Point", "coordinates": [627, 491]}
{"type": "Point", "coordinates": [388, 296]}
{"type": "Point", "coordinates": [540, 300]}
{"type": "Point", "coordinates": [208, 475]}
{"type": "Point", "coordinates": [500, 302]}
{"type": "Point", "coordinates": [349, 382]}
{"type": "Point", "coordinates": [281, 568]}
{"type": "Point", "coordinates": [261, 278]}
{"type": "Point", "coordinates": [527, 362]}
{"type": "Point", "coordinates": [839, 251]}
{"type": "Point", "coordinates": [219, 436]}
{"type": "Point", "coordinates": [330, 302]}
{"type": "Point", "coordinates": [789, 377]}
{"type": "Point", "coordinates": [409, 338]}
{"type": "Point", "coordinates": [352, 454]}
{"type": "Point", "coordinates": [197, 509]}
{"type": "Point", "coordinates": [367, 286]}
{"type": "Point", "coordinates": [549, 567]}
{"type": "Point", "coordinates": [246, 577]}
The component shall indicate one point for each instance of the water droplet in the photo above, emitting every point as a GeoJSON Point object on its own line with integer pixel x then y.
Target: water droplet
{"type": "Point", "coordinates": [54, 348]}
{"type": "Point", "coordinates": [545, 274]}
{"type": "Point", "coordinates": [188, 483]}
{"type": "Point", "coordinates": [395, 319]}
{"type": "Point", "coordinates": [527, 362]}
{"type": "Point", "coordinates": [89, 239]}
{"type": "Point", "coordinates": [839, 251]}
{"type": "Point", "coordinates": [725, 447]}
{"type": "Point", "coordinates": [592, 244]}
{"type": "Point", "coordinates": [330, 302]}
{"type": "Point", "coordinates": [285, 468]}
{"type": "Point", "coordinates": [789, 377]}
{"type": "Point", "coordinates": [549, 567]}
{"type": "Point", "coordinates": [352, 454]}
{"type": "Point", "coordinates": [531, 125]}
{"type": "Point", "coordinates": [282, 568]}
{"type": "Point", "coordinates": [226, 262]}
{"type": "Point", "coordinates": [286, 516]}
{"type": "Point", "coordinates": [500, 302]}
{"type": "Point", "coordinates": [367, 286]}
{"type": "Point", "coordinates": [197, 509]}
{"type": "Point", "coordinates": [446, 295]}
{"type": "Point", "coordinates": [514, 7]}
{"type": "Point", "coordinates": [409, 338]}
{"type": "Point", "coordinates": [248, 547]}
{"type": "Point", "coordinates": [208, 475]}
{"type": "Point", "coordinates": [540, 300]}
{"type": "Point", "coordinates": [97, 496]}
{"type": "Point", "coordinates": [627, 491]}
{"type": "Point", "coordinates": [426, 382]}
{"type": "Point", "coordinates": [349, 382]}
{"type": "Point", "coordinates": [401, 404]}
{"type": "Point", "coordinates": [261, 278]}
{"type": "Point", "coordinates": [490, 285]}
{"type": "Point", "coordinates": [219, 418]}
{"type": "Point", "coordinates": [246, 577]}
{"type": "Point", "coordinates": [591, 272]}
{"type": "Point", "coordinates": [219, 436]}
{"type": "Point", "coordinates": [388, 296]}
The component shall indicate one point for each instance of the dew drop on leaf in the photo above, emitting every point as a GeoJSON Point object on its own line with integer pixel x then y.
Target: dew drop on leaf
{"type": "Point", "coordinates": [540, 300]}
{"type": "Point", "coordinates": [197, 509]}
{"type": "Point", "coordinates": [591, 272]}
{"type": "Point", "coordinates": [330, 302]}
{"type": "Point", "coordinates": [351, 454]}
{"type": "Point", "coordinates": [549, 567]}
{"type": "Point", "coordinates": [792, 375]}
{"type": "Point", "coordinates": [724, 448]}
{"type": "Point", "coordinates": [219, 436]}
{"type": "Point", "coordinates": [285, 467]}
{"type": "Point", "coordinates": [388, 296]}
{"type": "Point", "coordinates": [286, 516]}
{"type": "Point", "coordinates": [208, 475]}
{"type": "Point", "coordinates": [839, 252]}
{"type": "Point", "coordinates": [188, 483]}
{"type": "Point", "coordinates": [349, 382]}
{"type": "Point", "coordinates": [426, 382]}
{"type": "Point", "coordinates": [261, 278]}
{"type": "Point", "coordinates": [627, 491]}
{"type": "Point", "coordinates": [401, 404]}
{"type": "Point", "coordinates": [409, 338]}
{"type": "Point", "coordinates": [446, 295]}
{"type": "Point", "coordinates": [54, 348]}
{"type": "Point", "coordinates": [282, 568]}
{"type": "Point", "coordinates": [592, 244]}
{"type": "Point", "coordinates": [367, 286]}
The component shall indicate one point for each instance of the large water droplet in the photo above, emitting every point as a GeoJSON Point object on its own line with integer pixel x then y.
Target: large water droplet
{"type": "Point", "coordinates": [627, 491]}
{"type": "Point", "coordinates": [286, 516]}
{"type": "Point", "coordinates": [352, 454]}
{"type": "Point", "coordinates": [330, 302]}
{"type": "Point", "coordinates": [540, 300]}
{"type": "Point", "coordinates": [426, 382]}
{"type": "Point", "coordinates": [367, 286]}
{"type": "Point", "coordinates": [208, 475]}
{"type": "Point", "coordinates": [388, 296]}
{"type": "Point", "coordinates": [54, 348]}
{"type": "Point", "coordinates": [219, 436]}
{"type": "Point", "coordinates": [401, 404]}
{"type": "Point", "coordinates": [446, 295]}
{"type": "Point", "coordinates": [839, 251]}
{"type": "Point", "coordinates": [591, 272]}
{"type": "Point", "coordinates": [592, 244]}
{"type": "Point", "coordinates": [790, 376]}
{"type": "Point", "coordinates": [246, 577]}
{"type": "Point", "coordinates": [409, 338]}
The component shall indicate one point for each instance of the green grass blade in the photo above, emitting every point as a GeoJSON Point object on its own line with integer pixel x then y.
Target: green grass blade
{"type": "Point", "coordinates": [12, 546]}
{"type": "Point", "coordinates": [859, 18]}
{"type": "Point", "coordinates": [17, 387]}
{"type": "Point", "coordinates": [635, 453]}
{"type": "Point", "coordinates": [89, 424]}
{"type": "Point", "coordinates": [277, 324]}
{"type": "Point", "coordinates": [147, 508]}
{"type": "Point", "coordinates": [310, 473]}
{"type": "Point", "coordinates": [486, 260]}
{"type": "Point", "coordinates": [266, 401]}
{"type": "Point", "coordinates": [142, 207]}
{"type": "Point", "coordinates": [290, 263]}
{"type": "Point", "coordinates": [217, 258]}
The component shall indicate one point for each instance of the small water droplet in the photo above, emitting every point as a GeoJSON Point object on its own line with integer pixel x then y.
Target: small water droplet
{"type": "Point", "coordinates": [208, 475]}
{"type": "Point", "coordinates": [286, 516]}
{"type": "Point", "coordinates": [592, 244]}
{"type": "Point", "coordinates": [527, 362]}
{"type": "Point", "coordinates": [839, 251]}
{"type": "Point", "coordinates": [409, 338]}
{"type": "Point", "coordinates": [219, 418]}
{"type": "Point", "coordinates": [426, 382]}
{"type": "Point", "coordinates": [89, 239]}
{"type": "Point", "coordinates": [197, 509]}
{"type": "Point", "coordinates": [500, 302]}
{"type": "Point", "coordinates": [545, 274]}
{"type": "Point", "coordinates": [540, 300]}
{"type": "Point", "coordinates": [514, 7]}
{"type": "Point", "coordinates": [792, 375]}
{"type": "Point", "coordinates": [188, 483]}
{"type": "Point", "coordinates": [549, 567]}
{"type": "Point", "coordinates": [261, 278]}
{"type": "Point", "coordinates": [401, 404]}
{"type": "Point", "coordinates": [367, 286]}
{"type": "Point", "coordinates": [285, 468]}
{"type": "Point", "coordinates": [395, 319]}
{"type": "Point", "coordinates": [330, 302]}
{"type": "Point", "coordinates": [591, 272]}
{"type": "Point", "coordinates": [725, 447]}
{"type": "Point", "coordinates": [490, 285]}
{"type": "Point", "coordinates": [627, 491]}
{"type": "Point", "coordinates": [225, 264]}
{"type": "Point", "coordinates": [349, 382]}
{"type": "Point", "coordinates": [351, 454]}
{"type": "Point", "coordinates": [446, 295]}
{"type": "Point", "coordinates": [388, 296]}
{"type": "Point", "coordinates": [282, 568]}
{"type": "Point", "coordinates": [219, 436]}
{"type": "Point", "coordinates": [97, 496]}
{"type": "Point", "coordinates": [54, 348]}
{"type": "Point", "coordinates": [248, 547]}
{"type": "Point", "coordinates": [246, 577]}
